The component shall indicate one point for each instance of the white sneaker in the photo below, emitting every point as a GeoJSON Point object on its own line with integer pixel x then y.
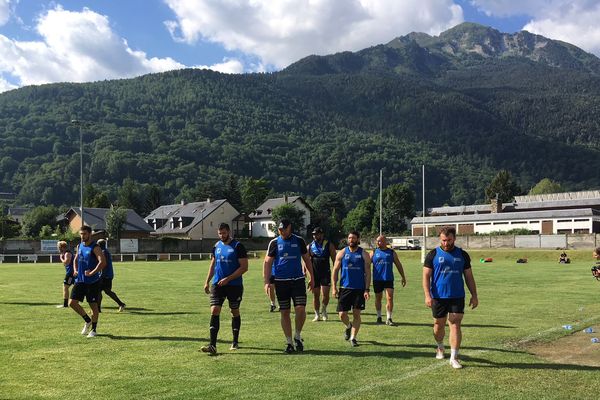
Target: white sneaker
{"type": "Point", "coordinates": [122, 308]}
{"type": "Point", "coordinates": [455, 363]}
{"type": "Point", "coordinates": [439, 354]}
{"type": "Point", "coordinates": [86, 328]}
{"type": "Point", "coordinates": [324, 316]}
{"type": "Point", "coordinates": [92, 334]}
{"type": "Point", "coordinates": [60, 306]}
{"type": "Point", "coordinates": [316, 318]}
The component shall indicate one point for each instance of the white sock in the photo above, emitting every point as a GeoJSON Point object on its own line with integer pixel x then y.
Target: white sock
{"type": "Point", "coordinates": [289, 339]}
{"type": "Point", "coordinates": [272, 303]}
{"type": "Point", "coordinates": [453, 354]}
{"type": "Point", "coordinates": [297, 336]}
{"type": "Point", "coordinates": [316, 313]}
{"type": "Point", "coordinates": [324, 310]}
{"type": "Point", "coordinates": [389, 314]}
{"type": "Point", "coordinates": [440, 345]}
{"type": "Point", "coordinates": [378, 313]}
{"type": "Point", "coordinates": [352, 337]}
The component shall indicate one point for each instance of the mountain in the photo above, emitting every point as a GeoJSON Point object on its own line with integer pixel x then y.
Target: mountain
{"type": "Point", "coordinates": [466, 103]}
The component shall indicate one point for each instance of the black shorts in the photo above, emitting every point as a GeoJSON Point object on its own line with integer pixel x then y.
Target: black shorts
{"type": "Point", "coordinates": [286, 291]}
{"type": "Point", "coordinates": [90, 291]}
{"type": "Point", "coordinates": [351, 299]}
{"type": "Point", "coordinates": [441, 307]}
{"type": "Point", "coordinates": [233, 293]}
{"type": "Point", "coordinates": [106, 284]}
{"type": "Point", "coordinates": [69, 279]}
{"type": "Point", "coordinates": [322, 277]}
{"type": "Point", "coordinates": [378, 286]}
{"type": "Point", "coordinates": [271, 280]}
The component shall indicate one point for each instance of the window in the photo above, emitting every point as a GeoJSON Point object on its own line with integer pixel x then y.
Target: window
{"type": "Point", "coordinates": [582, 220]}
{"type": "Point", "coordinates": [500, 223]}
{"type": "Point", "coordinates": [483, 223]}
{"type": "Point", "coordinates": [565, 220]}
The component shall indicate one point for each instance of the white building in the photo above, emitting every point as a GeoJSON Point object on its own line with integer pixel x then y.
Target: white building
{"type": "Point", "coordinates": [555, 213]}
{"type": "Point", "coordinates": [198, 220]}
{"type": "Point", "coordinates": [262, 218]}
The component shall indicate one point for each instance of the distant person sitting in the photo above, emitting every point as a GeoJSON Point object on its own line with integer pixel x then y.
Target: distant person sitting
{"type": "Point", "coordinates": [563, 259]}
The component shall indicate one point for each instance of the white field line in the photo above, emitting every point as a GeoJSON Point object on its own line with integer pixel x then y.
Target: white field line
{"type": "Point", "coordinates": [444, 363]}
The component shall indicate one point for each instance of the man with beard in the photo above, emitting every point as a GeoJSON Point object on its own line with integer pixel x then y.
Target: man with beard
{"type": "Point", "coordinates": [321, 251]}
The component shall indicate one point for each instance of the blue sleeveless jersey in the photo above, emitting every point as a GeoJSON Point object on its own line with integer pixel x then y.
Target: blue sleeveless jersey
{"type": "Point", "coordinates": [447, 280]}
{"type": "Point", "coordinates": [108, 272]}
{"type": "Point", "coordinates": [86, 261]}
{"type": "Point", "coordinates": [69, 267]}
{"type": "Point", "coordinates": [226, 262]}
{"type": "Point", "coordinates": [383, 263]}
{"type": "Point", "coordinates": [288, 261]}
{"type": "Point", "coordinates": [353, 269]}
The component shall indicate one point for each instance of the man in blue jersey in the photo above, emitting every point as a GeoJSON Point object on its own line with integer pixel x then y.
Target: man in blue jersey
{"type": "Point", "coordinates": [108, 275]}
{"type": "Point", "coordinates": [444, 290]}
{"type": "Point", "coordinates": [384, 260]}
{"type": "Point", "coordinates": [355, 280]}
{"type": "Point", "coordinates": [321, 251]}
{"type": "Point", "coordinates": [284, 261]}
{"type": "Point", "coordinates": [89, 263]}
{"type": "Point", "coordinates": [66, 257]}
{"type": "Point", "coordinates": [229, 262]}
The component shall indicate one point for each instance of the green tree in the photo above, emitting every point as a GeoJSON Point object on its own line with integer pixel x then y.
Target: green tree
{"type": "Point", "coordinates": [546, 186]}
{"type": "Point", "coordinates": [290, 212]}
{"type": "Point", "coordinates": [115, 220]}
{"type": "Point", "coordinates": [360, 217]}
{"type": "Point", "coordinates": [398, 206]}
{"type": "Point", "coordinates": [253, 193]}
{"type": "Point", "coordinates": [34, 220]}
{"type": "Point", "coordinates": [502, 186]}
{"type": "Point", "coordinates": [128, 196]}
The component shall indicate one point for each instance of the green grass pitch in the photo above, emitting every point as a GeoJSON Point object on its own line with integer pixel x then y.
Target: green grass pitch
{"type": "Point", "coordinates": [151, 350]}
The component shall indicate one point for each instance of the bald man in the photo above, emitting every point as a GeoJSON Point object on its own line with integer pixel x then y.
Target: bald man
{"type": "Point", "coordinates": [383, 259]}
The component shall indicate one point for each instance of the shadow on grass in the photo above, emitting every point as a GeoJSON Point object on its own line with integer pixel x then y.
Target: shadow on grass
{"type": "Point", "coordinates": [543, 366]}
{"type": "Point", "coordinates": [159, 338]}
{"type": "Point", "coordinates": [29, 303]}
{"type": "Point", "coordinates": [490, 349]}
{"type": "Point", "coordinates": [400, 324]}
{"type": "Point", "coordinates": [142, 311]}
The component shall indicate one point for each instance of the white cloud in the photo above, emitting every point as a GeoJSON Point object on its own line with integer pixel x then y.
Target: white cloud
{"type": "Point", "coordinates": [4, 11]}
{"type": "Point", "coordinates": [75, 47]}
{"type": "Point", "coordinates": [228, 66]}
{"type": "Point", "coordinates": [574, 21]}
{"type": "Point", "coordinates": [283, 31]}
{"type": "Point", "coordinates": [5, 85]}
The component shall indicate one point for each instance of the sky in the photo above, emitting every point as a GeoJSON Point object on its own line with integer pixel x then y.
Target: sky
{"type": "Point", "coordinates": [81, 41]}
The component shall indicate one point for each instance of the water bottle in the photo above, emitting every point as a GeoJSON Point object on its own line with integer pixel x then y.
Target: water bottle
{"type": "Point", "coordinates": [567, 327]}
{"type": "Point", "coordinates": [595, 340]}
{"type": "Point", "coordinates": [589, 330]}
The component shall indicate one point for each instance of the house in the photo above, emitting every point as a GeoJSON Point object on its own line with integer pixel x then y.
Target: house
{"type": "Point", "coordinates": [17, 213]}
{"type": "Point", "coordinates": [134, 227]}
{"type": "Point", "coordinates": [262, 218]}
{"type": "Point", "coordinates": [198, 220]}
{"type": "Point", "coordinates": [555, 213]}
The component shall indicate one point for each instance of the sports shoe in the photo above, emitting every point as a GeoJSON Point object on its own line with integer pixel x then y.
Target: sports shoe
{"type": "Point", "coordinates": [122, 308]}
{"type": "Point", "coordinates": [289, 349]}
{"type": "Point", "coordinates": [379, 321]}
{"type": "Point", "coordinates": [86, 328]}
{"type": "Point", "coordinates": [210, 349]}
{"type": "Point", "coordinates": [316, 318]}
{"type": "Point", "coordinates": [299, 345]}
{"type": "Point", "coordinates": [389, 322]}
{"type": "Point", "coordinates": [347, 333]}
{"type": "Point", "coordinates": [354, 343]}
{"type": "Point", "coordinates": [60, 306]}
{"type": "Point", "coordinates": [455, 363]}
{"type": "Point", "coordinates": [324, 316]}
{"type": "Point", "coordinates": [439, 354]}
{"type": "Point", "coordinates": [91, 334]}
{"type": "Point", "coordinates": [273, 308]}
{"type": "Point", "coordinates": [234, 346]}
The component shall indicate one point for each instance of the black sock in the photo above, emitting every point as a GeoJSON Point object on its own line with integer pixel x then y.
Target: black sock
{"type": "Point", "coordinates": [215, 323]}
{"type": "Point", "coordinates": [65, 303]}
{"type": "Point", "coordinates": [236, 323]}
{"type": "Point", "coordinates": [86, 319]}
{"type": "Point", "coordinates": [94, 325]}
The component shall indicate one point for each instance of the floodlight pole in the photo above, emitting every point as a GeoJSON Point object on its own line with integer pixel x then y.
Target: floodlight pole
{"type": "Point", "coordinates": [381, 202]}
{"type": "Point", "coordinates": [78, 123]}
{"type": "Point", "coordinates": [424, 247]}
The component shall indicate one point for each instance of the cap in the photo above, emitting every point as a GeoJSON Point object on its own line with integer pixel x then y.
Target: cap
{"type": "Point", "coordinates": [317, 230]}
{"type": "Point", "coordinates": [284, 223]}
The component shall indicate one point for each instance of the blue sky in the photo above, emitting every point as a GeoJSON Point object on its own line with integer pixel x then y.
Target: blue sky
{"type": "Point", "coordinates": [79, 41]}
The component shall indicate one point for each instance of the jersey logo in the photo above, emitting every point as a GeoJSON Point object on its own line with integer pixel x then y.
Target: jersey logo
{"type": "Point", "coordinates": [441, 260]}
{"type": "Point", "coordinates": [294, 245]}
{"type": "Point", "coordinates": [280, 247]}
{"type": "Point", "coordinates": [218, 250]}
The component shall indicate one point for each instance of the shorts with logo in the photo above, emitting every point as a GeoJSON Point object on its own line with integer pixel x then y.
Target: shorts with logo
{"type": "Point", "coordinates": [289, 290]}
{"type": "Point", "coordinates": [351, 299]}
{"type": "Point", "coordinates": [441, 307]}
{"type": "Point", "coordinates": [69, 279]}
{"type": "Point", "coordinates": [233, 293]}
{"type": "Point", "coordinates": [89, 291]}
{"type": "Point", "coordinates": [378, 286]}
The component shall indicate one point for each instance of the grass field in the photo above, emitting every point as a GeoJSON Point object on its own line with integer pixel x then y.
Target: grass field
{"type": "Point", "coordinates": [151, 351]}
